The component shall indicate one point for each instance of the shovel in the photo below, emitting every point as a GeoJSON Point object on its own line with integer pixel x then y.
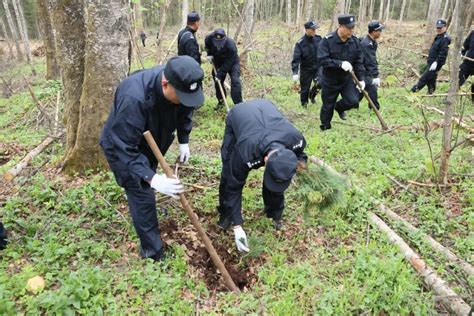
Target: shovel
{"type": "Point", "coordinates": [220, 87]}
{"type": "Point", "coordinates": [193, 217]}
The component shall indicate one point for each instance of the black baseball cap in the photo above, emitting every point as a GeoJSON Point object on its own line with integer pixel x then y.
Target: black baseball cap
{"type": "Point", "coordinates": [440, 23]}
{"type": "Point", "coordinates": [279, 170]}
{"type": "Point", "coordinates": [185, 75]}
{"type": "Point", "coordinates": [193, 16]}
{"type": "Point", "coordinates": [219, 38]}
{"type": "Point", "coordinates": [375, 25]}
{"type": "Point", "coordinates": [348, 20]}
{"type": "Point", "coordinates": [311, 25]}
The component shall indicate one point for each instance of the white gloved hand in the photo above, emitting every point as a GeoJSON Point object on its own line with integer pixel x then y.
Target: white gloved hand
{"type": "Point", "coordinates": [241, 239]}
{"type": "Point", "coordinates": [346, 66]}
{"type": "Point", "coordinates": [167, 186]}
{"type": "Point", "coordinates": [376, 82]}
{"type": "Point", "coordinates": [295, 77]}
{"type": "Point", "coordinates": [184, 153]}
{"type": "Point", "coordinates": [433, 66]}
{"type": "Point", "coordinates": [210, 58]}
{"type": "Point", "coordinates": [362, 84]}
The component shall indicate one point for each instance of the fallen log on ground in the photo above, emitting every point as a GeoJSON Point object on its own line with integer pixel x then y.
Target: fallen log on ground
{"type": "Point", "coordinates": [445, 294]}
{"type": "Point", "coordinates": [13, 172]}
{"type": "Point", "coordinates": [455, 120]}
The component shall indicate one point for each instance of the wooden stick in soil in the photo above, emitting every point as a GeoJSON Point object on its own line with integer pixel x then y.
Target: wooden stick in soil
{"type": "Point", "coordinates": [446, 295]}
{"type": "Point", "coordinates": [220, 87]}
{"type": "Point", "coordinates": [193, 217]}
{"type": "Point", "coordinates": [13, 172]}
{"type": "Point", "coordinates": [371, 103]}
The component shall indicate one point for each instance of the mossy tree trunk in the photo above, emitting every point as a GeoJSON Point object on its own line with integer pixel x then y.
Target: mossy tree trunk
{"type": "Point", "coordinates": [93, 48]}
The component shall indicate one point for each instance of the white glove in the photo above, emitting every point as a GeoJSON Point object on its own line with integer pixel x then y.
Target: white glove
{"type": "Point", "coordinates": [168, 186]}
{"type": "Point", "coordinates": [241, 239]}
{"type": "Point", "coordinates": [346, 66]}
{"type": "Point", "coordinates": [184, 153]}
{"type": "Point", "coordinates": [295, 77]}
{"type": "Point", "coordinates": [376, 82]}
{"type": "Point", "coordinates": [433, 66]}
{"type": "Point", "coordinates": [210, 58]}
{"type": "Point", "coordinates": [362, 84]}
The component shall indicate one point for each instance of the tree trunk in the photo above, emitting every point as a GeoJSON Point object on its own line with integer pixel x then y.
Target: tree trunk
{"type": "Point", "coordinates": [7, 38]}
{"type": "Point", "coordinates": [381, 10]}
{"type": "Point", "coordinates": [402, 11]}
{"type": "Point", "coordinates": [288, 12]}
{"type": "Point", "coordinates": [184, 12]}
{"type": "Point", "coordinates": [138, 17]}
{"type": "Point", "coordinates": [298, 12]}
{"type": "Point", "coordinates": [309, 10]}
{"type": "Point", "coordinates": [164, 10]}
{"type": "Point", "coordinates": [319, 8]}
{"type": "Point", "coordinates": [249, 19]}
{"type": "Point", "coordinates": [46, 29]}
{"type": "Point", "coordinates": [106, 63]}
{"type": "Point", "coordinates": [280, 11]}
{"type": "Point", "coordinates": [460, 13]}
{"type": "Point", "coordinates": [387, 11]}
{"type": "Point", "coordinates": [445, 11]}
{"type": "Point", "coordinates": [13, 31]}
{"type": "Point", "coordinates": [347, 7]}
{"type": "Point", "coordinates": [20, 18]}
{"type": "Point", "coordinates": [371, 10]}
{"type": "Point", "coordinates": [362, 12]}
{"type": "Point", "coordinates": [338, 9]}
{"type": "Point", "coordinates": [433, 14]}
{"type": "Point", "coordinates": [69, 29]}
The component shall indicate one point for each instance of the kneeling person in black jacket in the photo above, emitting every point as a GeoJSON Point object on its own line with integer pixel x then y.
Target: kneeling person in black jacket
{"type": "Point", "coordinates": [257, 135]}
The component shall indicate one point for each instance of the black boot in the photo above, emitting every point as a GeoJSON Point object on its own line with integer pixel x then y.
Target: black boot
{"type": "Point", "coordinates": [219, 105]}
{"type": "Point", "coordinates": [414, 88]}
{"type": "Point", "coordinates": [224, 221]}
{"type": "Point", "coordinates": [305, 105]}
{"type": "Point", "coordinates": [278, 224]}
{"type": "Point", "coordinates": [159, 256]}
{"type": "Point", "coordinates": [324, 127]}
{"type": "Point", "coordinates": [342, 115]}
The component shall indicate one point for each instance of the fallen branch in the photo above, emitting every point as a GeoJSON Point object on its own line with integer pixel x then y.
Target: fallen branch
{"type": "Point", "coordinates": [455, 120]}
{"type": "Point", "coordinates": [13, 172]}
{"type": "Point", "coordinates": [444, 95]}
{"type": "Point", "coordinates": [406, 50]}
{"type": "Point", "coordinates": [446, 295]}
{"type": "Point", "coordinates": [428, 185]}
{"type": "Point", "coordinates": [467, 58]}
{"type": "Point", "coordinates": [37, 102]}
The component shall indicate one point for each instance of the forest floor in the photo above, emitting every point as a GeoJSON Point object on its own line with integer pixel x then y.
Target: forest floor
{"type": "Point", "coordinates": [76, 233]}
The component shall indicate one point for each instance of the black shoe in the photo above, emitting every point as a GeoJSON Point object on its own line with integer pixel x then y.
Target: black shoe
{"type": "Point", "coordinates": [224, 222]}
{"type": "Point", "coordinates": [219, 105]}
{"type": "Point", "coordinates": [278, 224]}
{"type": "Point", "coordinates": [305, 105]}
{"type": "Point", "coordinates": [342, 115]}
{"type": "Point", "coordinates": [414, 88]}
{"type": "Point", "coordinates": [431, 90]}
{"type": "Point", "coordinates": [324, 127]}
{"type": "Point", "coordinates": [159, 256]}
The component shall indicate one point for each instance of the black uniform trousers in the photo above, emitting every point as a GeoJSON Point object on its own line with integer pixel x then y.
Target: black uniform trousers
{"type": "Point", "coordinates": [428, 78]}
{"type": "Point", "coordinates": [306, 77]}
{"type": "Point", "coordinates": [464, 73]}
{"type": "Point", "coordinates": [329, 94]}
{"type": "Point", "coordinates": [235, 86]}
{"type": "Point", "coordinates": [371, 90]}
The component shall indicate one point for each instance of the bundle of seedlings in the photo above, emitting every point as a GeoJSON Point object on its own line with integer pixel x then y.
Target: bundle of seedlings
{"type": "Point", "coordinates": [318, 187]}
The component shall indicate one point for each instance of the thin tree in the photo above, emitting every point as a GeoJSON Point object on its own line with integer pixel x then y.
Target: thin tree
{"type": "Point", "coordinates": [381, 10]}
{"type": "Point", "coordinates": [3, 27]}
{"type": "Point", "coordinates": [446, 8]}
{"type": "Point", "coordinates": [371, 10]}
{"type": "Point", "coordinates": [362, 11]}
{"type": "Point", "coordinates": [433, 14]}
{"type": "Point", "coordinates": [164, 9]}
{"type": "Point", "coordinates": [288, 12]}
{"type": "Point", "coordinates": [46, 30]}
{"type": "Point", "coordinates": [184, 12]}
{"type": "Point", "coordinates": [20, 19]}
{"type": "Point", "coordinates": [13, 30]}
{"type": "Point", "coordinates": [387, 11]}
{"type": "Point", "coordinates": [138, 17]}
{"type": "Point", "coordinates": [402, 11]}
{"type": "Point", "coordinates": [338, 9]}
{"type": "Point", "coordinates": [309, 9]}
{"type": "Point", "coordinates": [460, 13]}
{"type": "Point", "coordinates": [298, 11]}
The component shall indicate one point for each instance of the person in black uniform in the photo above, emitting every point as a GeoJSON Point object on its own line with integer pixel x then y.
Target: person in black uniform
{"type": "Point", "coordinates": [3, 237]}
{"type": "Point", "coordinates": [161, 100]}
{"type": "Point", "coordinates": [143, 37]}
{"type": "Point", "coordinates": [187, 42]}
{"type": "Point", "coordinates": [436, 59]}
{"type": "Point", "coordinates": [305, 57]}
{"type": "Point", "coordinates": [340, 53]}
{"type": "Point", "coordinates": [467, 67]}
{"type": "Point", "coordinates": [222, 52]}
{"type": "Point", "coordinates": [369, 48]}
{"type": "Point", "coordinates": [257, 135]}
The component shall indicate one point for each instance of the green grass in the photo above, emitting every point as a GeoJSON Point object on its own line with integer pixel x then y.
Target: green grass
{"type": "Point", "coordinates": [77, 234]}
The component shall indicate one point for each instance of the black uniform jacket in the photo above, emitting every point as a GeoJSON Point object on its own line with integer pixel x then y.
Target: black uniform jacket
{"type": "Point", "coordinates": [139, 105]}
{"type": "Point", "coordinates": [333, 51]}
{"type": "Point", "coordinates": [305, 54]}
{"type": "Point", "coordinates": [369, 48]}
{"type": "Point", "coordinates": [188, 45]}
{"type": "Point", "coordinates": [252, 129]}
{"type": "Point", "coordinates": [439, 50]}
{"type": "Point", "coordinates": [224, 58]}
